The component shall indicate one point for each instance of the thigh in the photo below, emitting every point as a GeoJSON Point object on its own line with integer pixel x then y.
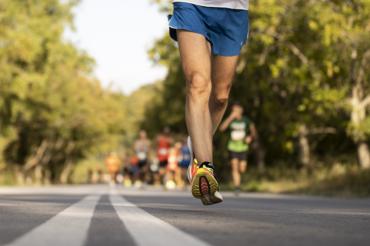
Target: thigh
{"type": "Point", "coordinates": [223, 71]}
{"type": "Point", "coordinates": [195, 54]}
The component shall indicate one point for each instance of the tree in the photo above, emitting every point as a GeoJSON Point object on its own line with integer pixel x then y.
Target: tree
{"type": "Point", "coordinates": [53, 112]}
{"type": "Point", "coordinates": [302, 78]}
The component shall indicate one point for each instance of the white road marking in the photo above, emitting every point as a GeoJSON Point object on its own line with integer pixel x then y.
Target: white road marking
{"type": "Point", "coordinates": [149, 230]}
{"type": "Point", "coordinates": [55, 190]}
{"type": "Point", "coordinates": [68, 228]}
{"type": "Point", "coordinates": [337, 212]}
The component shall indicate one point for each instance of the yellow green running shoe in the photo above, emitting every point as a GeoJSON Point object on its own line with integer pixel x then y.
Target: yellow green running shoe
{"type": "Point", "coordinates": [204, 185]}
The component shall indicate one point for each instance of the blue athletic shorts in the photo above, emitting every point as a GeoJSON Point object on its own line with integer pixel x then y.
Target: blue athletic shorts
{"type": "Point", "coordinates": [226, 29]}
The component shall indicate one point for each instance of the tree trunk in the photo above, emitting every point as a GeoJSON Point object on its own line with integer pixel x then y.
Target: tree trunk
{"type": "Point", "coordinates": [260, 155]}
{"type": "Point", "coordinates": [19, 176]}
{"type": "Point", "coordinates": [36, 158]}
{"type": "Point", "coordinates": [261, 159]}
{"type": "Point", "coordinates": [358, 115]}
{"type": "Point", "coordinates": [46, 177]}
{"type": "Point", "coordinates": [304, 147]}
{"type": "Point", "coordinates": [66, 173]}
{"type": "Point", "coordinates": [363, 155]}
{"type": "Point", "coordinates": [37, 175]}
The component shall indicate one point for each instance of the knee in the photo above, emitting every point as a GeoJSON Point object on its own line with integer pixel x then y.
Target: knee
{"type": "Point", "coordinates": [221, 102]}
{"type": "Point", "coordinates": [243, 167]}
{"type": "Point", "coordinates": [221, 96]}
{"type": "Point", "coordinates": [199, 86]}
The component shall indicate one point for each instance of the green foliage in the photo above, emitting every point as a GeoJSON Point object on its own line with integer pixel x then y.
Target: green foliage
{"type": "Point", "coordinates": [303, 62]}
{"type": "Point", "coordinates": [339, 179]}
{"type": "Point", "coordinates": [168, 107]}
{"type": "Point", "coordinates": [52, 111]}
{"type": "Point", "coordinates": [306, 64]}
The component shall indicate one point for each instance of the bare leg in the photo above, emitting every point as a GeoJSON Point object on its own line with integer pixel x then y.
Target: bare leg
{"type": "Point", "coordinates": [243, 166]}
{"type": "Point", "coordinates": [235, 172]}
{"type": "Point", "coordinates": [196, 63]}
{"type": "Point", "coordinates": [223, 70]}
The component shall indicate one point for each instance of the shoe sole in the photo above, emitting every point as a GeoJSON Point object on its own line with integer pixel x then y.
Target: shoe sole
{"type": "Point", "coordinates": [205, 187]}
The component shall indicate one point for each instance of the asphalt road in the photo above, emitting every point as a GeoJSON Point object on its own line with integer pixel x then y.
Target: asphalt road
{"type": "Point", "coordinates": [99, 215]}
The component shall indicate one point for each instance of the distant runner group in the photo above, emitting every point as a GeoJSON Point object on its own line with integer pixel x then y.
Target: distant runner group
{"type": "Point", "coordinates": [164, 161]}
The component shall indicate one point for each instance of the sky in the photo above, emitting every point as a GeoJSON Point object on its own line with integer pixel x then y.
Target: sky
{"type": "Point", "coordinates": [117, 34]}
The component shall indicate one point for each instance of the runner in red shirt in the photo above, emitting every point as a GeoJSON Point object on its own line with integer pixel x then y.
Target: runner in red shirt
{"type": "Point", "coordinates": [173, 174]}
{"type": "Point", "coordinates": [163, 148]}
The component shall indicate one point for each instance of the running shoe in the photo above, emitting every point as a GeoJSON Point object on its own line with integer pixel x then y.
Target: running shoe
{"type": "Point", "coordinates": [193, 167]}
{"type": "Point", "coordinates": [204, 185]}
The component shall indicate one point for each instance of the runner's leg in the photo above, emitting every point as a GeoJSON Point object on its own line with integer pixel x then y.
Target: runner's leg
{"type": "Point", "coordinates": [235, 172]}
{"type": "Point", "coordinates": [196, 63]}
{"type": "Point", "coordinates": [243, 166]}
{"type": "Point", "coordinates": [223, 70]}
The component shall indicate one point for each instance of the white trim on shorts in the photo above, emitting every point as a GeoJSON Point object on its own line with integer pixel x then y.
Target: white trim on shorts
{"type": "Point", "coordinates": [229, 4]}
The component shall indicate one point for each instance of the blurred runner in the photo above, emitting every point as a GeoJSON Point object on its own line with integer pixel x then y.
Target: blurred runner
{"type": "Point", "coordinates": [210, 34]}
{"type": "Point", "coordinates": [173, 172]}
{"type": "Point", "coordinates": [242, 133]}
{"type": "Point", "coordinates": [127, 172]}
{"type": "Point", "coordinates": [185, 159]}
{"type": "Point", "coordinates": [164, 141]}
{"type": "Point", "coordinates": [142, 149]}
{"type": "Point", "coordinates": [113, 164]}
{"type": "Point", "coordinates": [154, 170]}
{"type": "Point", "coordinates": [134, 169]}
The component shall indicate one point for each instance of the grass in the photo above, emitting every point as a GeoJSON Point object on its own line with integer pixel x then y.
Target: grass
{"type": "Point", "coordinates": [7, 178]}
{"type": "Point", "coordinates": [79, 173]}
{"type": "Point", "coordinates": [338, 180]}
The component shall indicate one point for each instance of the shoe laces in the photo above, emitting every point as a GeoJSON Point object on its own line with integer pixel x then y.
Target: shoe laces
{"type": "Point", "coordinates": [207, 165]}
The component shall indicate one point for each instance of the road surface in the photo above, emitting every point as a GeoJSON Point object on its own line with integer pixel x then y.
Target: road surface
{"type": "Point", "coordinates": [99, 215]}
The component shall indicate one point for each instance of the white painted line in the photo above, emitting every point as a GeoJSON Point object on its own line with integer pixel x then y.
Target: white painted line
{"type": "Point", "coordinates": [149, 230]}
{"type": "Point", "coordinates": [337, 212]}
{"type": "Point", "coordinates": [55, 190]}
{"type": "Point", "coordinates": [68, 228]}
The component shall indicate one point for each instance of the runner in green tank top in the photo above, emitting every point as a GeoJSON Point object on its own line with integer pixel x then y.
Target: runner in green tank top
{"type": "Point", "coordinates": [239, 129]}
{"type": "Point", "coordinates": [242, 133]}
